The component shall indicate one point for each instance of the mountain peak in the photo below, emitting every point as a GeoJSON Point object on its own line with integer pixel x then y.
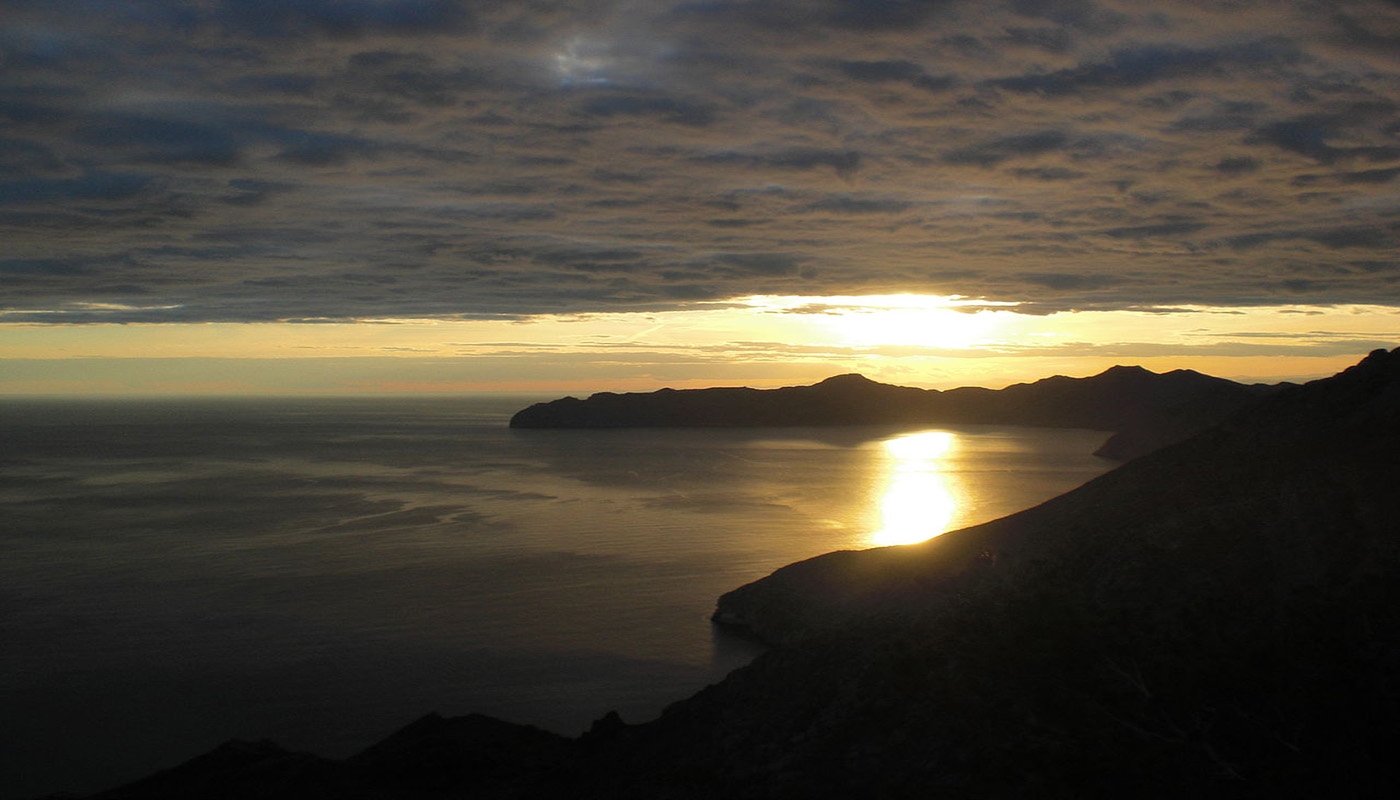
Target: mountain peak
{"type": "Point", "coordinates": [850, 379]}
{"type": "Point", "coordinates": [1378, 362]}
{"type": "Point", "coordinates": [1122, 370]}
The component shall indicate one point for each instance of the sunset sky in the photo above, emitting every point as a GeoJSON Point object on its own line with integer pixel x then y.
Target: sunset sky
{"type": "Point", "coordinates": [576, 195]}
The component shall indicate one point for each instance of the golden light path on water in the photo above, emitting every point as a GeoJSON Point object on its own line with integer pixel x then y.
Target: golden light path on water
{"type": "Point", "coordinates": [917, 501]}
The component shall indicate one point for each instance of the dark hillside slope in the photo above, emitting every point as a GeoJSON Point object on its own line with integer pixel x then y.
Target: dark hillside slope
{"type": "Point", "coordinates": [1332, 444]}
{"type": "Point", "coordinates": [1222, 616]}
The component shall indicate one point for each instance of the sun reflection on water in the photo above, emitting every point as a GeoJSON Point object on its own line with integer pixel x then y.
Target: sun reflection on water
{"type": "Point", "coordinates": [917, 502]}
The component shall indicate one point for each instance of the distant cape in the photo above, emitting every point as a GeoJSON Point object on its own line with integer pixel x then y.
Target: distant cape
{"type": "Point", "coordinates": [1148, 408]}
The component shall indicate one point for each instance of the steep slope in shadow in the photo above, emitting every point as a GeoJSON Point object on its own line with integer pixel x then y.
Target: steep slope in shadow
{"type": "Point", "coordinates": [1283, 462]}
{"type": "Point", "coordinates": [1220, 617]}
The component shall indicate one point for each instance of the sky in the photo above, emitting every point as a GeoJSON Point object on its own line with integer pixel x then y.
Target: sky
{"type": "Point", "coordinates": [250, 196]}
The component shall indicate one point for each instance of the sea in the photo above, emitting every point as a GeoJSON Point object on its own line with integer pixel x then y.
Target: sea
{"type": "Point", "coordinates": [175, 573]}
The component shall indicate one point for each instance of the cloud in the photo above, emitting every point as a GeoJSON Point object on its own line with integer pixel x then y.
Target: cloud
{"type": "Point", "coordinates": [757, 263]}
{"type": "Point", "coordinates": [1048, 173]}
{"type": "Point", "coordinates": [846, 204]}
{"type": "Point", "coordinates": [663, 108]}
{"type": "Point", "coordinates": [1236, 165]}
{"type": "Point", "coordinates": [376, 159]}
{"type": "Point", "coordinates": [1144, 65]}
{"type": "Point", "coordinates": [1335, 238]}
{"type": "Point", "coordinates": [342, 18]}
{"type": "Point", "coordinates": [1365, 176]}
{"type": "Point", "coordinates": [881, 14]}
{"type": "Point", "coordinates": [990, 152]}
{"type": "Point", "coordinates": [843, 162]}
{"type": "Point", "coordinates": [1064, 281]}
{"type": "Point", "coordinates": [92, 186]}
{"type": "Point", "coordinates": [1312, 135]}
{"type": "Point", "coordinates": [162, 140]}
{"type": "Point", "coordinates": [854, 16]}
{"type": "Point", "coordinates": [1177, 228]}
{"type": "Point", "coordinates": [41, 267]}
{"type": "Point", "coordinates": [894, 71]}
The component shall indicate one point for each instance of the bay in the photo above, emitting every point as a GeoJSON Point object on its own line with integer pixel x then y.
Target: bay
{"type": "Point", "coordinates": [177, 573]}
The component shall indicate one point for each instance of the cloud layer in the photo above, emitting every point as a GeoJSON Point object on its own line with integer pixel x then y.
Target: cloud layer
{"type": "Point", "coordinates": [251, 160]}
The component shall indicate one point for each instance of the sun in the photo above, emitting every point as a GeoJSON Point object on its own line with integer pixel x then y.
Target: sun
{"type": "Point", "coordinates": [950, 322]}
{"type": "Point", "coordinates": [929, 326]}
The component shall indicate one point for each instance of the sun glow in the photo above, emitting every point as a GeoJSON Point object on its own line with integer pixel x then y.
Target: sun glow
{"type": "Point", "coordinates": [917, 502]}
{"type": "Point", "coordinates": [895, 319]}
{"type": "Point", "coordinates": [580, 63]}
{"type": "Point", "coordinates": [763, 341]}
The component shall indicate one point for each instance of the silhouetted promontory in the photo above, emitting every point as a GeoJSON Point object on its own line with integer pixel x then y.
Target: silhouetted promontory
{"type": "Point", "coordinates": [1147, 408]}
{"type": "Point", "coordinates": [1219, 618]}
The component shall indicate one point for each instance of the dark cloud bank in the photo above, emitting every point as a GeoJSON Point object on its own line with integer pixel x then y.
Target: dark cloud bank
{"type": "Point", "coordinates": [258, 160]}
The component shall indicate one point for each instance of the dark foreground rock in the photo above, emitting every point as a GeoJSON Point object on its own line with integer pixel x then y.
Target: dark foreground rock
{"type": "Point", "coordinates": [1157, 408]}
{"type": "Point", "coordinates": [433, 757]}
{"type": "Point", "coordinates": [1221, 617]}
{"type": "Point", "coordinates": [1218, 618]}
{"type": "Point", "coordinates": [1168, 424]}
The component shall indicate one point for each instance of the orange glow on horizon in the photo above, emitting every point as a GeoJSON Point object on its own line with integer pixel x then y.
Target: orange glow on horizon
{"type": "Point", "coordinates": [938, 342]}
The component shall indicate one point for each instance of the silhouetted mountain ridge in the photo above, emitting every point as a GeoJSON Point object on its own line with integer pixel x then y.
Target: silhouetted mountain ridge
{"type": "Point", "coordinates": [1162, 407]}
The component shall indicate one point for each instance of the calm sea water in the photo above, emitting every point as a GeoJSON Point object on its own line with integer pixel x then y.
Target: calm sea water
{"type": "Point", "coordinates": [321, 572]}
